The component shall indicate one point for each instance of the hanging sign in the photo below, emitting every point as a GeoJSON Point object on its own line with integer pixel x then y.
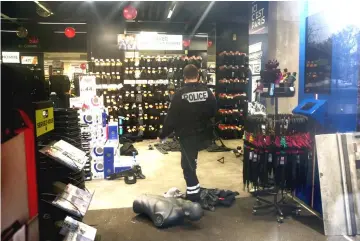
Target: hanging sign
{"type": "Point", "coordinates": [10, 57]}
{"type": "Point", "coordinates": [150, 41]}
{"type": "Point", "coordinates": [259, 18]}
{"type": "Point", "coordinates": [87, 87]}
{"type": "Point", "coordinates": [160, 42]}
{"type": "Point", "coordinates": [44, 121]}
{"type": "Point", "coordinates": [29, 60]}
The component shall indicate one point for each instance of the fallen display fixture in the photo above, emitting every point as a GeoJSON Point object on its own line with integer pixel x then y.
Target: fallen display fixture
{"type": "Point", "coordinates": [165, 212]}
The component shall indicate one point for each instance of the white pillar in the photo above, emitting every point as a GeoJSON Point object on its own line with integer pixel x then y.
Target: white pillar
{"type": "Point", "coordinates": [283, 42]}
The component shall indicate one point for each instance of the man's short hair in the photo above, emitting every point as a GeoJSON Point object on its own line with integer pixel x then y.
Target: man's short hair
{"type": "Point", "coordinates": [190, 72]}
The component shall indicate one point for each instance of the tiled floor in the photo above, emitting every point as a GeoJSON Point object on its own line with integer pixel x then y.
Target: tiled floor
{"type": "Point", "coordinates": [111, 212]}
{"type": "Point", "coordinates": [164, 171]}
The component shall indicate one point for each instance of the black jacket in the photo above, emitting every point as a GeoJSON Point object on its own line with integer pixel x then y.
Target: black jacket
{"type": "Point", "coordinates": [190, 112]}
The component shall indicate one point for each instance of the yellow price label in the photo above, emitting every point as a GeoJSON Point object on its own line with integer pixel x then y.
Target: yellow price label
{"type": "Point", "coordinates": [44, 119]}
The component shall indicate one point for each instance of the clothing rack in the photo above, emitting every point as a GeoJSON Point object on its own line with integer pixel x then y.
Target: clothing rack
{"type": "Point", "coordinates": [276, 153]}
{"type": "Point", "coordinates": [275, 159]}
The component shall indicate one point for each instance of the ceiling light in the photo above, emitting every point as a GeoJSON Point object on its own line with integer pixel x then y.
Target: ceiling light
{"type": "Point", "coordinates": [9, 31]}
{"type": "Point", "coordinates": [170, 13]}
{"type": "Point", "coordinates": [60, 23]}
{"type": "Point", "coordinates": [44, 8]}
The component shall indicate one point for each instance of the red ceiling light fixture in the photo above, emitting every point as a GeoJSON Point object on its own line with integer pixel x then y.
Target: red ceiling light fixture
{"type": "Point", "coordinates": [83, 66]}
{"type": "Point", "coordinates": [186, 43]}
{"type": "Point", "coordinates": [130, 12]}
{"type": "Point", "coordinates": [69, 32]}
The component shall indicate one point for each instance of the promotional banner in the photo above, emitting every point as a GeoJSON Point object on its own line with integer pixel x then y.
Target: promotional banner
{"type": "Point", "coordinates": [149, 41]}
{"type": "Point", "coordinates": [258, 41]}
{"type": "Point", "coordinates": [29, 60]}
{"type": "Point", "coordinates": [259, 18]}
{"type": "Point", "coordinates": [255, 55]}
{"type": "Point", "coordinates": [10, 57]}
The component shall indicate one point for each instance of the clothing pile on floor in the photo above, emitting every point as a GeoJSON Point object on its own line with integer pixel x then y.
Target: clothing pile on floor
{"type": "Point", "coordinates": [215, 148]}
{"type": "Point", "coordinates": [209, 198]}
{"type": "Point", "coordinates": [170, 145]}
{"type": "Point", "coordinates": [127, 148]}
{"type": "Point", "coordinates": [173, 145]}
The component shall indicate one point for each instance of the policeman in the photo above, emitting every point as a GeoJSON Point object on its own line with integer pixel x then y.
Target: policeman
{"type": "Point", "coordinates": [190, 113]}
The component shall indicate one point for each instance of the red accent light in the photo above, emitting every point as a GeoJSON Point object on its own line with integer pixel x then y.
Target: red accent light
{"type": "Point", "coordinates": [83, 66]}
{"type": "Point", "coordinates": [130, 13]}
{"type": "Point", "coordinates": [186, 43]}
{"type": "Point", "coordinates": [69, 32]}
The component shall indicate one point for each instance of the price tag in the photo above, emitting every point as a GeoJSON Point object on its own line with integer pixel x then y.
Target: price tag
{"type": "Point", "coordinates": [87, 86]}
{"type": "Point", "coordinates": [270, 157]}
{"type": "Point", "coordinates": [251, 155]}
{"type": "Point", "coordinates": [298, 159]}
{"type": "Point", "coordinates": [255, 157]}
{"type": "Point", "coordinates": [282, 160]}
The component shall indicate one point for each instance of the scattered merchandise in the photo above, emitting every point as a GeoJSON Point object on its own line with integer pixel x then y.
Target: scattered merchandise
{"type": "Point", "coordinates": [74, 230]}
{"type": "Point", "coordinates": [215, 148]}
{"type": "Point", "coordinates": [128, 149]}
{"type": "Point", "coordinates": [174, 192]}
{"type": "Point", "coordinates": [210, 198]}
{"type": "Point", "coordinates": [165, 212]}
{"type": "Point", "coordinates": [169, 145]}
{"type": "Point", "coordinates": [130, 175]}
{"type": "Point", "coordinates": [238, 151]}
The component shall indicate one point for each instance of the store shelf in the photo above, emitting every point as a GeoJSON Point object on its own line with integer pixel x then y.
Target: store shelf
{"type": "Point", "coordinates": [231, 92]}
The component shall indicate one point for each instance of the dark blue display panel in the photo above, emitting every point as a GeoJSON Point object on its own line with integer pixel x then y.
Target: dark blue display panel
{"type": "Point", "coordinates": [344, 57]}
{"type": "Point", "coordinates": [318, 55]}
{"type": "Point", "coordinates": [342, 99]}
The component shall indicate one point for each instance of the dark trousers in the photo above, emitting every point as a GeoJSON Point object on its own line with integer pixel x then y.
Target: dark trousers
{"type": "Point", "coordinates": [189, 155]}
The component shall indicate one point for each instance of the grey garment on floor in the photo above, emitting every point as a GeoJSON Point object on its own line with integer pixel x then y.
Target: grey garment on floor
{"type": "Point", "coordinates": [174, 192]}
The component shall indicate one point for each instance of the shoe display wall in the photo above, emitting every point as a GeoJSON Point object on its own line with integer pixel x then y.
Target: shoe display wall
{"type": "Point", "coordinates": [231, 92]}
{"type": "Point", "coordinates": [137, 90]}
